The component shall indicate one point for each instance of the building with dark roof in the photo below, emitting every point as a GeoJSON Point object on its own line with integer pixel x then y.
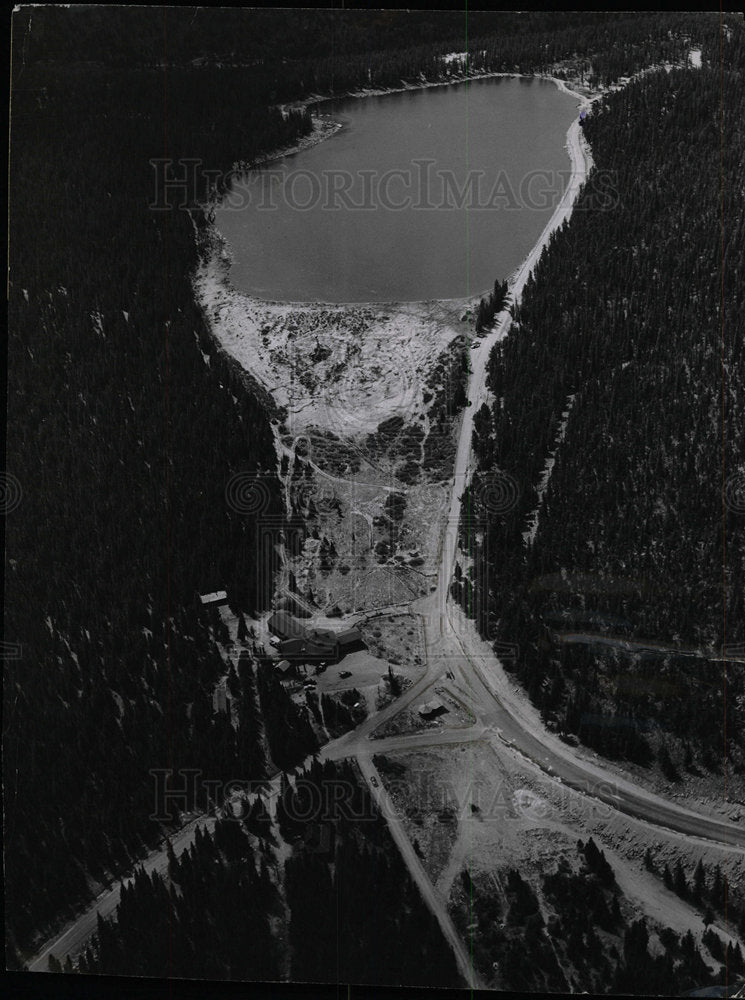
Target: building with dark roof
{"type": "Point", "coordinates": [291, 647]}
{"type": "Point", "coordinates": [321, 636]}
{"type": "Point", "coordinates": [285, 626]}
{"type": "Point", "coordinates": [307, 649]}
{"type": "Point", "coordinates": [350, 639]}
{"type": "Point", "coordinates": [431, 709]}
{"type": "Point", "coordinates": [299, 642]}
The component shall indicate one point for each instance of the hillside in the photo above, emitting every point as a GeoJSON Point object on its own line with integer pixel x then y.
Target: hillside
{"type": "Point", "coordinates": [617, 417]}
{"type": "Point", "coordinates": [127, 427]}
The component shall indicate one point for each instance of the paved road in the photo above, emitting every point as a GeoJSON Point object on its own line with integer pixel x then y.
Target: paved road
{"type": "Point", "coordinates": [451, 648]}
{"type": "Point", "coordinates": [408, 742]}
{"type": "Point", "coordinates": [448, 641]}
{"type": "Point", "coordinates": [73, 938]}
{"type": "Point", "coordinates": [556, 759]}
{"type": "Point", "coordinates": [450, 645]}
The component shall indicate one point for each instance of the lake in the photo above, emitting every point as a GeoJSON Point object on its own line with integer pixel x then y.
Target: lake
{"type": "Point", "coordinates": [426, 194]}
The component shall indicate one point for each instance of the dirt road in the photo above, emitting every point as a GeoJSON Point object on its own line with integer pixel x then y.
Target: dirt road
{"type": "Point", "coordinates": [73, 938]}
{"type": "Point", "coordinates": [451, 644]}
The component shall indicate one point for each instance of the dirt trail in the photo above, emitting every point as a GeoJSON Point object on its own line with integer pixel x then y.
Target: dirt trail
{"type": "Point", "coordinates": [253, 332]}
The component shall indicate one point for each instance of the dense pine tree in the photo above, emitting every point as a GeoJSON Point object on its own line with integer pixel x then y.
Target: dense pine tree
{"type": "Point", "coordinates": [615, 362]}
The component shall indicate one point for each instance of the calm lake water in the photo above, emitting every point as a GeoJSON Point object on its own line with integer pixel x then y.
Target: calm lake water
{"type": "Point", "coordinates": [427, 194]}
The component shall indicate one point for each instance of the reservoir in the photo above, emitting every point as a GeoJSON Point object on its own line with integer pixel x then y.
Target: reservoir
{"type": "Point", "coordinates": [426, 194]}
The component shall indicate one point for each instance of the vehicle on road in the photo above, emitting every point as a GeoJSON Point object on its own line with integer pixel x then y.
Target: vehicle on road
{"type": "Point", "coordinates": [345, 673]}
{"type": "Point", "coordinates": [374, 781]}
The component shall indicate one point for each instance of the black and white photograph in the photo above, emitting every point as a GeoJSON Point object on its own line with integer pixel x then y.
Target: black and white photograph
{"type": "Point", "coordinates": [374, 502]}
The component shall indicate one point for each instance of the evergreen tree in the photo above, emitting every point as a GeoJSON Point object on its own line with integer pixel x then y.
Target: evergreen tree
{"type": "Point", "coordinates": [680, 883]}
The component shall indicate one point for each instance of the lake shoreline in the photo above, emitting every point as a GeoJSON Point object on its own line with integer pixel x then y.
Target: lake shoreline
{"type": "Point", "coordinates": [424, 85]}
{"type": "Point", "coordinates": [219, 245]}
{"type": "Point", "coordinates": [323, 130]}
{"type": "Point", "coordinates": [414, 332]}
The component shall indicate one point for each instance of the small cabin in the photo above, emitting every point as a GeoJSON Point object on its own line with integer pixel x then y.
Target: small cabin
{"type": "Point", "coordinates": [285, 669]}
{"type": "Point", "coordinates": [432, 709]}
{"type": "Point", "coordinates": [218, 599]}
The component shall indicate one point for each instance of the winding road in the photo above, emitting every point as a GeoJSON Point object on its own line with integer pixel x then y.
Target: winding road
{"type": "Point", "coordinates": [452, 645]}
